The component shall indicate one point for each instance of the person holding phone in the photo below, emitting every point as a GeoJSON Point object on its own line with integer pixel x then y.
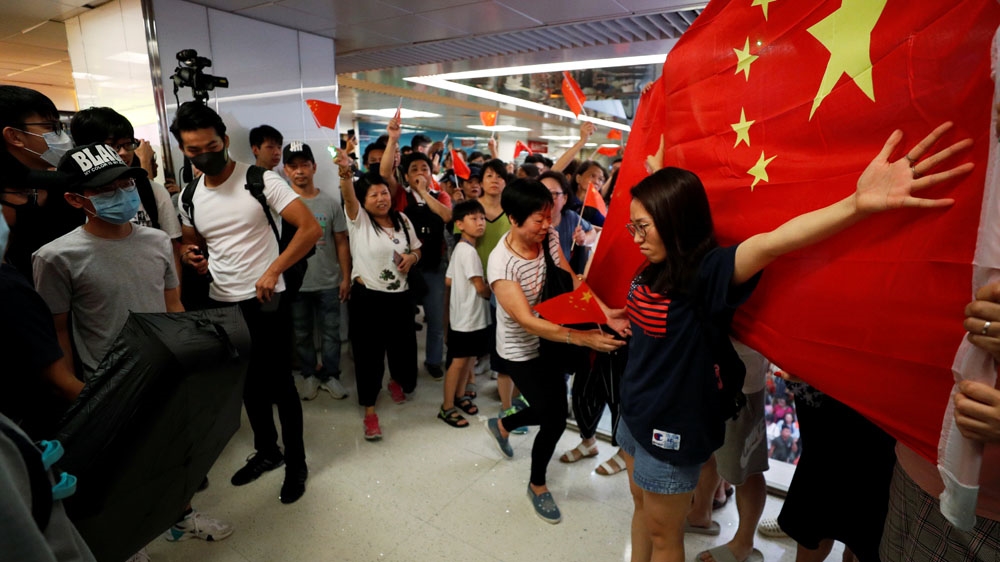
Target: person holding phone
{"type": "Point", "coordinates": [384, 249]}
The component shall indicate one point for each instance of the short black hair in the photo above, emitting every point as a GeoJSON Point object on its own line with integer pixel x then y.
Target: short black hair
{"type": "Point", "coordinates": [534, 159]}
{"type": "Point", "coordinates": [405, 150]}
{"type": "Point", "coordinates": [264, 133]}
{"type": "Point", "coordinates": [466, 208]}
{"type": "Point", "coordinates": [98, 124]}
{"type": "Point", "coordinates": [530, 170]}
{"type": "Point", "coordinates": [559, 177]}
{"type": "Point", "coordinates": [18, 104]}
{"type": "Point", "coordinates": [419, 140]}
{"type": "Point", "coordinates": [412, 157]}
{"type": "Point", "coordinates": [368, 150]}
{"type": "Point", "coordinates": [192, 116]}
{"type": "Point", "coordinates": [499, 168]}
{"type": "Point", "coordinates": [475, 155]}
{"type": "Point", "coordinates": [524, 197]}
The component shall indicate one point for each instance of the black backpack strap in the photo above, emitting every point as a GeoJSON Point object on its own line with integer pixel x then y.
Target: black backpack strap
{"type": "Point", "coordinates": [148, 200]}
{"type": "Point", "coordinates": [187, 198]}
{"type": "Point", "coordinates": [38, 477]}
{"type": "Point", "coordinates": [255, 185]}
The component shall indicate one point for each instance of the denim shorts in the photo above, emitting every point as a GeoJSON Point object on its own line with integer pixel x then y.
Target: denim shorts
{"type": "Point", "coordinates": [652, 474]}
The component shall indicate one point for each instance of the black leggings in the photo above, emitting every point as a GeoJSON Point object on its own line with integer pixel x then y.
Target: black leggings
{"type": "Point", "coordinates": [545, 390]}
{"type": "Point", "coordinates": [381, 322]}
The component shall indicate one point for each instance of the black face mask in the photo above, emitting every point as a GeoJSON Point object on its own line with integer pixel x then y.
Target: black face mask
{"type": "Point", "coordinates": [211, 163]}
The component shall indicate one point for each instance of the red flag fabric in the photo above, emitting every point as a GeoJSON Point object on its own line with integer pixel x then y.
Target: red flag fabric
{"type": "Point", "coordinates": [615, 134]}
{"type": "Point", "coordinates": [576, 307]}
{"type": "Point", "coordinates": [610, 151]}
{"type": "Point", "coordinates": [461, 168]}
{"type": "Point", "coordinates": [573, 94]}
{"type": "Point", "coordinates": [778, 108]}
{"type": "Point", "coordinates": [324, 113]}
{"type": "Point", "coordinates": [520, 147]}
{"type": "Point", "coordinates": [595, 200]}
{"type": "Point", "coordinates": [488, 118]}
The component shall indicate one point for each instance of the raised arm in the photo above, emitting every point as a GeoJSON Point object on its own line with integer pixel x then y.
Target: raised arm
{"type": "Point", "coordinates": [586, 130]}
{"type": "Point", "coordinates": [882, 186]}
{"type": "Point", "coordinates": [347, 195]}
{"type": "Point", "coordinates": [420, 185]}
{"type": "Point", "coordinates": [387, 167]}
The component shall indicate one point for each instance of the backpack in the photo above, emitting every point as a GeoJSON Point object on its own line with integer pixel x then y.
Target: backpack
{"type": "Point", "coordinates": [295, 274]}
{"type": "Point", "coordinates": [148, 200]}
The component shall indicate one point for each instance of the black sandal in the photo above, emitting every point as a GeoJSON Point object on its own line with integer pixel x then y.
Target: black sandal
{"type": "Point", "coordinates": [470, 391]}
{"type": "Point", "coordinates": [452, 417]}
{"type": "Point", "coordinates": [465, 403]}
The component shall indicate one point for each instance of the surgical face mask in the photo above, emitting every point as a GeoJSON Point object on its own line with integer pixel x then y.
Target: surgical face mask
{"type": "Point", "coordinates": [118, 206]}
{"type": "Point", "coordinates": [4, 235]}
{"type": "Point", "coordinates": [59, 144]}
{"type": "Point", "coordinates": [211, 163]}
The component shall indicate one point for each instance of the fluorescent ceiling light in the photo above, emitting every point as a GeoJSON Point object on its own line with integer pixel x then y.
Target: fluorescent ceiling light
{"type": "Point", "coordinates": [436, 82]}
{"type": "Point", "coordinates": [499, 128]}
{"type": "Point", "coordinates": [390, 112]}
{"type": "Point", "coordinates": [560, 138]}
{"type": "Point", "coordinates": [555, 67]}
{"type": "Point", "coordinates": [593, 144]}
{"type": "Point", "coordinates": [130, 56]}
{"type": "Point", "coordinates": [609, 145]}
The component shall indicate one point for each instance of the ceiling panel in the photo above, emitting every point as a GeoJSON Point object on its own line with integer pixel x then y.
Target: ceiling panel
{"type": "Point", "coordinates": [344, 13]}
{"type": "Point", "coordinates": [233, 5]}
{"type": "Point", "coordinates": [52, 35]}
{"type": "Point", "coordinates": [351, 37]}
{"type": "Point", "coordinates": [560, 11]}
{"type": "Point", "coordinates": [412, 29]}
{"type": "Point", "coordinates": [481, 18]}
{"type": "Point", "coordinates": [429, 5]}
{"type": "Point", "coordinates": [288, 17]}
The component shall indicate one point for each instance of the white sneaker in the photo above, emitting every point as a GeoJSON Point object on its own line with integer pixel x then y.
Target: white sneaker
{"type": "Point", "coordinates": [482, 365]}
{"type": "Point", "coordinates": [334, 387]}
{"type": "Point", "coordinates": [140, 556]}
{"type": "Point", "coordinates": [308, 388]}
{"type": "Point", "coordinates": [197, 526]}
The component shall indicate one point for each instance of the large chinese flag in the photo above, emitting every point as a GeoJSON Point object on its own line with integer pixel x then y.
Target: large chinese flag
{"type": "Point", "coordinates": [778, 107]}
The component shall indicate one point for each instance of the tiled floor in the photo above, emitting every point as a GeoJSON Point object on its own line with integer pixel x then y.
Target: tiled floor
{"type": "Point", "coordinates": [425, 492]}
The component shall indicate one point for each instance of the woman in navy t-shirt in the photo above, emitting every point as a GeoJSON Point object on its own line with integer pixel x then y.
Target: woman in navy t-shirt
{"type": "Point", "coordinates": [670, 422]}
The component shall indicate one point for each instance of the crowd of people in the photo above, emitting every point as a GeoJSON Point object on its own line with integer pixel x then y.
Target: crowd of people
{"type": "Point", "coordinates": [403, 232]}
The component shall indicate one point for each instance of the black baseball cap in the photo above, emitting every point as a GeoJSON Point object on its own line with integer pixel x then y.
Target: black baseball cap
{"type": "Point", "coordinates": [94, 165]}
{"type": "Point", "coordinates": [297, 149]}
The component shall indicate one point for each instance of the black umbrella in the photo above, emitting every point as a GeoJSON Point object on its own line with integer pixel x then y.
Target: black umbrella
{"type": "Point", "coordinates": [149, 425]}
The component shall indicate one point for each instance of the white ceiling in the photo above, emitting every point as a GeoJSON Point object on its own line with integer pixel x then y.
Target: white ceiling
{"type": "Point", "coordinates": [379, 42]}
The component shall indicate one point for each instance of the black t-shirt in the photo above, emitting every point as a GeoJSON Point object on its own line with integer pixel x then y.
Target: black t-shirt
{"type": "Point", "coordinates": [669, 387]}
{"type": "Point", "coordinates": [28, 344]}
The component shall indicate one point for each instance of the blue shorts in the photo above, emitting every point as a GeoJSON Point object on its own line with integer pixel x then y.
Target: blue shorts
{"type": "Point", "coordinates": [652, 474]}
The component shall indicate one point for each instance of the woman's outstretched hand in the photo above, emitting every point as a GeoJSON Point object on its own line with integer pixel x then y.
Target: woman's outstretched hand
{"type": "Point", "coordinates": [888, 185]}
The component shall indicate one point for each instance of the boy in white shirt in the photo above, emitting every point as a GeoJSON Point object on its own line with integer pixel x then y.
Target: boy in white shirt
{"type": "Point", "coordinates": [468, 333]}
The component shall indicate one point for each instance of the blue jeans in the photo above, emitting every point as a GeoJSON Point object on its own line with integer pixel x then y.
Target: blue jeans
{"type": "Point", "coordinates": [308, 309]}
{"type": "Point", "coordinates": [434, 312]}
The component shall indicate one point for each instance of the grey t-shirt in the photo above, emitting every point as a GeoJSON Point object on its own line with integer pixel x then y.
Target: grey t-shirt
{"type": "Point", "coordinates": [324, 272]}
{"type": "Point", "coordinates": [99, 281]}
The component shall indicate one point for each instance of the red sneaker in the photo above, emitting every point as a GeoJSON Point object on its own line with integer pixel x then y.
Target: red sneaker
{"type": "Point", "coordinates": [397, 392]}
{"type": "Point", "coordinates": [372, 431]}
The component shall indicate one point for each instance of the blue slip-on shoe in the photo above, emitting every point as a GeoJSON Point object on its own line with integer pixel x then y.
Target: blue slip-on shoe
{"type": "Point", "coordinates": [510, 412]}
{"type": "Point", "coordinates": [545, 506]}
{"type": "Point", "coordinates": [502, 443]}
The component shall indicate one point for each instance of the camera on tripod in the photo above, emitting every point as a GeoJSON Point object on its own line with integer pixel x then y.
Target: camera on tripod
{"type": "Point", "coordinates": [190, 74]}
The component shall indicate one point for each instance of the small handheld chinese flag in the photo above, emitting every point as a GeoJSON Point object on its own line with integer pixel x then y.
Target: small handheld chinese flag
{"type": "Point", "coordinates": [520, 147]}
{"type": "Point", "coordinates": [576, 307]}
{"type": "Point", "coordinates": [610, 151]}
{"type": "Point", "coordinates": [461, 168]}
{"type": "Point", "coordinates": [615, 134]}
{"type": "Point", "coordinates": [489, 118]}
{"type": "Point", "coordinates": [324, 113]}
{"type": "Point", "coordinates": [595, 200]}
{"type": "Point", "coordinates": [573, 94]}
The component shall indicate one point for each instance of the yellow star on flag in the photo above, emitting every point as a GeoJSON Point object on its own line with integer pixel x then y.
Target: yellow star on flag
{"type": "Point", "coordinates": [744, 59]}
{"type": "Point", "coordinates": [847, 34]}
{"type": "Point", "coordinates": [587, 296]}
{"type": "Point", "coordinates": [763, 5]}
{"type": "Point", "coordinates": [759, 170]}
{"type": "Point", "coordinates": [742, 129]}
